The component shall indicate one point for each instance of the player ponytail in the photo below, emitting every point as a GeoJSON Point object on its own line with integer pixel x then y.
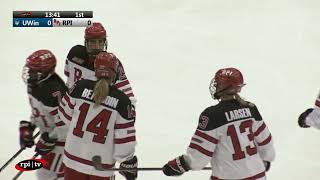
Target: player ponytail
{"type": "Point", "coordinates": [101, 90]}
{"type": "Point", "coordinates": [243, 102]}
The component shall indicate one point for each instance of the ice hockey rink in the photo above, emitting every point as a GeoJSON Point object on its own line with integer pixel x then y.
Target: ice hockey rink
{"type": "Point", "coordinates": [170, 50]}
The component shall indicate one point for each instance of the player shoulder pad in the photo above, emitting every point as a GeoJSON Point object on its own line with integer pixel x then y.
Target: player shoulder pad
{"type": "Point", "coordinates": [78, 54]}
{"type": "Point", "coordinates": [50, 91]}
{"type": "Point", "coordinates": [124, 107]}
{"type": "Point", "coordinates": [207, 119]}
{"type": "Point", "coordinates": [121, 75]}
{"type": "Point", "coordinates": [255, 113]}
{"type": "Point", "coordinates": [77, 89]}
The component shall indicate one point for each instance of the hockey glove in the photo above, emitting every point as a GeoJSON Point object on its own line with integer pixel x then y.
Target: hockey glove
{"type": "Point", "coordinates": [267, 165]}
{"type": "Point", "coordinates": [26, 129]}
{"type": "Point", "coordinates": [45, 144]}
{"type": "Point", "coordinates": [176, 167]}
{"type": "Point", "coordinates": [131, 163]}
{"type": "Point", "coordinates": [302, 118]}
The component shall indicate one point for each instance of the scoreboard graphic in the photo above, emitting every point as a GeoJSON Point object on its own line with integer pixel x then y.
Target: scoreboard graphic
{"type": "Point", "coordinates": [52, 18]}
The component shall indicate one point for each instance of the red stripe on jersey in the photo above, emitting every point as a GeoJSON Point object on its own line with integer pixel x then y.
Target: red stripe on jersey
{"type": "Point", "coordinates": [317, 103]}
{"type": "Point", "coordinates": [123, 126]}
{"type": "Point", "coordinates": [266, 141]}
{"type": "Point", "coordinates": [66, 97]}
{"type": "Point", "coordinates": [64, 113]}
{"type": "Point", "coordinates": [60, 123]}
{"type": "Point", "coordinates": [66, 73]}
{"type": "Point", "coordinates": [54, 112]}
{"type": "Point", "coordinates": [255, 177]}
{"type": "Point", "coordinates": [206, 137]}
{"type": "Point", "coordinates": [131, 131]}
{"type": "Point", "coordinates": [125, 140]}
{"type": "Point", "coordinates": [196, 140]}
{"type": "Point", "coordinates": [49, 160]}
{"type": "Point", "coordinates": [130, 95]}
{"type": "Point", "coordinates": [59, 143]}
{"type": "Point", "coordinates": [84, 161]}
{"type": "Point", "coordinates": [128, 89]}
{"type": "Point", "coordinates": [260, 129]}
{"type": "Point", "coordinates": [201, 149]}
{"type": "Point", "coordinates": [121, 84]}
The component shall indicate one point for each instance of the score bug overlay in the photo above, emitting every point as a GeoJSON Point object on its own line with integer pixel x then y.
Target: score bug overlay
{"type": "Point", "coordinates": [52, 18]}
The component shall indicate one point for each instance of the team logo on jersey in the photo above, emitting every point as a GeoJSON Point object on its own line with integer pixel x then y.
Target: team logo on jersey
{"type": "Point", "coordinates": [121, 73]}
{"type": "Point", "coordinates": [30, 164]}
{"type": "Point", "coordinates": [203, 122]}
{"type": "Point", "coordinates": [131, 112]}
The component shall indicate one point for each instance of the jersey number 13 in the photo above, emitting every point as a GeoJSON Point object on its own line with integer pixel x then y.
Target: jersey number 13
{"type": "Point", "coordinates": [250, 149]}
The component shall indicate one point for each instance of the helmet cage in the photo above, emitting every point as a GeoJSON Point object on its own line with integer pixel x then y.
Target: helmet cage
{"type": "Point", "coordinates": [95, 31]}
{"type": "Point", "coordinates": [95, 51]}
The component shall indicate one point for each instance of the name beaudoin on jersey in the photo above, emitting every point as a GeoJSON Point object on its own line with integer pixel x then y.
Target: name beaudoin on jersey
{"type": "Point", "coordinates": [117, 100]}
{"type": "Point", "coordinates": [234, 139]}
{"type": "Point", "coordinates": [78, 66]}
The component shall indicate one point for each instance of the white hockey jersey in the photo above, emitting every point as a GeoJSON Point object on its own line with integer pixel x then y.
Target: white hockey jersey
{"type": "Point", "coordinates": [106, 130]}
{"type": "Point", "coordinates": [79, 66]}
{"type": "Point", "coordinates": [313, 119]}
{"type": "Point", "coordinates": [234, 139]}
{"type": "Point", "coordinates": [44, 101]}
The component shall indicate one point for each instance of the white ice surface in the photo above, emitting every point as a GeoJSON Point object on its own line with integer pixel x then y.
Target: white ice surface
{"type": "Point", "coordinates": [170, 50]}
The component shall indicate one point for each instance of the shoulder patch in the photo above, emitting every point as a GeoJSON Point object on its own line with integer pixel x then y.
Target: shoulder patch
{"type": "Point", "coordinates": [203, 122]}
{"type": "Point", "coordinates": [120, 72]}
{"type": "Point", "coordinates": [78, 54]}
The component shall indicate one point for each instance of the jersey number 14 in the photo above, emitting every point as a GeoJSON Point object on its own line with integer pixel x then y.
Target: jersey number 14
{"type": "Point", "coordinates": [98, 125]}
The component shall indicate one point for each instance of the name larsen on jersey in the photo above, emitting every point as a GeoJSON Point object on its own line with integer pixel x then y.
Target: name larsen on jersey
{"type": "Point", "coordinates": [238, 114]}
{"type": "Point", "coordinates": [110, 101]}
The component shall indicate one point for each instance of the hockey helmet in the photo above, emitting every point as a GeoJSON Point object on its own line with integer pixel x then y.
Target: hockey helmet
{"type": "Point", "coordinates": [95, 38]}
{"type": "Point", "coordinates": [106, 65]}
{"type": "Point", "coordinates": [228, 81]}
{"type": "Point", "coordinates": [41, 60]}
{"type": "Point", "coordinates": [39, 65]}
{"type": "Point", "coordinates": [96, 30]}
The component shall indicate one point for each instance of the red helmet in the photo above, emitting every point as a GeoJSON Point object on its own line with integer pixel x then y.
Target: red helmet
{"type": "Point", "coordinates": [105, 65]}
{"type": "Point", "coordinates": [229, 80]}
{"type": "Point", "coordinates": [41, 61]}
{"type": "Point", "coordinates": [96, 30]}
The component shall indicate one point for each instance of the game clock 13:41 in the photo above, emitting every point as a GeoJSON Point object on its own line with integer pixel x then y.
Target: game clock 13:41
{"type": "Point", "coordinates": [52, 14]}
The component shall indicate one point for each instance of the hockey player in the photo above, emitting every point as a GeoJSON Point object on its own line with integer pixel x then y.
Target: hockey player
{"type": "Point", "coordinates": [230, 135]}
{"type": "Point", "coordinates": [79, 62]}
{"type": "Point", "coordinates": [101, 123]}
{"type": "Point", "coordinates": [311, 116]}
{"type": "Point", "coordinates": [45, 89]}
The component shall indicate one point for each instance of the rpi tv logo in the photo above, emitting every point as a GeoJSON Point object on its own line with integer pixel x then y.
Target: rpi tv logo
{"type": "Point", "coordinates": [30, 164]}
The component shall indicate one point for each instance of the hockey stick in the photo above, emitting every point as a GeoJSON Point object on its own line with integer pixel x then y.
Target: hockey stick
{"type": "Point", "coordinates": [17, 153]}
{"type": "Point", "coordinates": [20, 172]}
{"type": "Point", "coordinates": [96, 162]}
